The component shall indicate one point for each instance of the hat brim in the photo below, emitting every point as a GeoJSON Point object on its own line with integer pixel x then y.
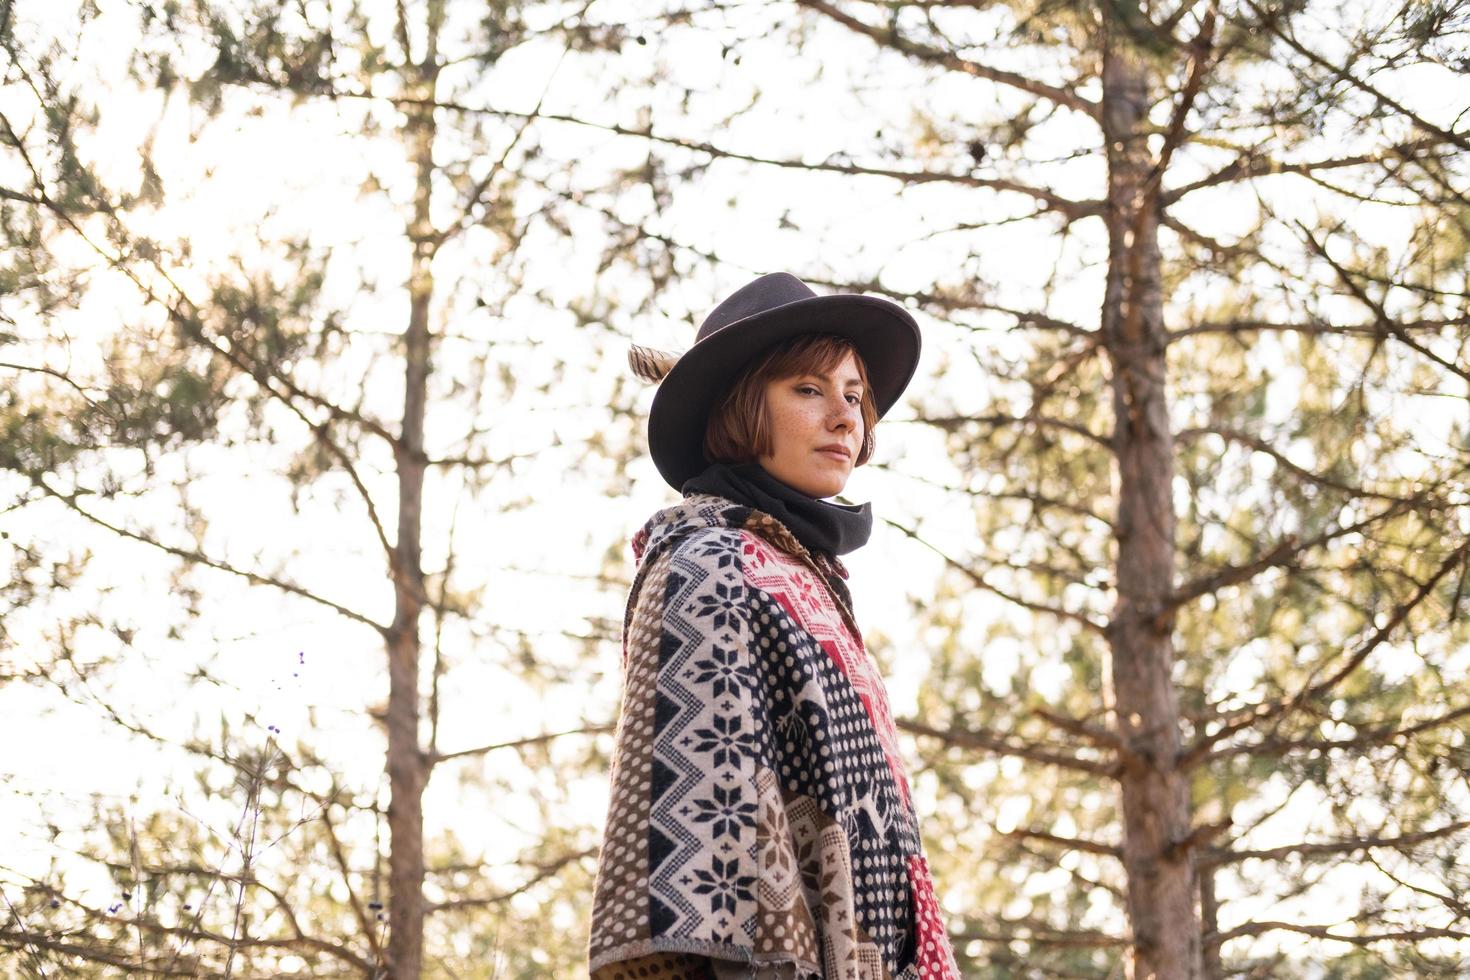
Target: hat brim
{"type": "Point", "coordinates": [882, 332]}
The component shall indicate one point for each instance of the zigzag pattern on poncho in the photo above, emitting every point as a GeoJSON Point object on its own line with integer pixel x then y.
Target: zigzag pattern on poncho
{"type": "Point", "coordinates": [760, 813]}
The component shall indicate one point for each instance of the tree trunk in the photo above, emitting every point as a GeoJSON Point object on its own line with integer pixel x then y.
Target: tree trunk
{"type": "Point", "coordinates": [1155, 803]}
{"type": "Point", "coordinates": [407, 764]}
{"type": "Point", "coordinates": [1209, 910]}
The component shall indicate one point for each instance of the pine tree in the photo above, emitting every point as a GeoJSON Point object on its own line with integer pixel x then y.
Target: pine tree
{"type": "Point", "coordinates": [1210, 618]}
{"type": "Point", "coordinates": [304, 425]}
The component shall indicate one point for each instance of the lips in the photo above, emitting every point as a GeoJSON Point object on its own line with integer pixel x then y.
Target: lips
{"type": "Point", "coordinates": [836, 451]}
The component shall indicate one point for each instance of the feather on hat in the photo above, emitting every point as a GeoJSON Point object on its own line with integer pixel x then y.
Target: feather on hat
{"type": "Point", "coordinates": [650, 363]}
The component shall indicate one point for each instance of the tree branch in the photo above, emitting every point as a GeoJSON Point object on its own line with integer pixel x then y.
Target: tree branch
{"type": "Point", "coordinates": [1371, 735]}
{"type": "Point", "coordinates": [1272, 24]}
{"type": "Point", "coordinates": [1039, 934]}
{"type": "Point", "coordinates": [439, 757]}
{"type": "Point", "coordinates": [1254, 715]}
{"type": "Point", "coordinates": [477, 193]}
{"type": "Point", "coordinates": [1072, 209]}
{"type": "Point", "coordinates": [950, 423]}
{"type": "Point", "coordinates": [546, 870]}
{"type": "Point", "coordinates": [339, 855]}
{"type": "Point", "coordinates": [102, 954]}
{"type": "Point", "coordinates": [979, 580]}
{"type": "Point", "coordinates": [1375, 329]}
{"type": "Point", "coordinates": [1385, 321]}
{"type": "Point", "coordinates": [187, 319]}
{"type": "Point", "coordinates": [1066, 843]}
{"type": "Point", "coordinates": [942, 300]}
{"type": "Point", "coordinates": [1200, 58]}
{"type": "Point", "coordinates": [1325, 932]}
{"type": "Point", "coordinates": [1102, 737]}
{"type": "Point", "coordinates": [1284, 554]}
{"type": "Point", "coordinates": [990, 741]}
{"type": "Point", "coordinates": [891, 38]}
{"type": "Point", "coordinates": [199, 558]}
{"type": "Point", "coordinates": [1251, 164]}
{"type": "Point", "coordinates": [1260, 445]}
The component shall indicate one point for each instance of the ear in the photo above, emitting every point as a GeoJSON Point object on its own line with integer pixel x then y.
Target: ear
{"type": "Point", "coordinates": [650, 364]}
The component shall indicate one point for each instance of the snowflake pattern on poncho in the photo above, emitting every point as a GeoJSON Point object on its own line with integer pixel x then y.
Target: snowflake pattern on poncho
{"type": "Point", "coordinates": [760, 812]}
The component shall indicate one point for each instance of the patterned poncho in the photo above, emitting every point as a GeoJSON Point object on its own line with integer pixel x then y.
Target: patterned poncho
{"type": "Point", "coordinates": [760, 814]}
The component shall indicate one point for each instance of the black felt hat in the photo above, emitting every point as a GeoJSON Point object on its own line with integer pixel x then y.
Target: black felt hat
{"type": "Point", "coordinates": [756, 316]}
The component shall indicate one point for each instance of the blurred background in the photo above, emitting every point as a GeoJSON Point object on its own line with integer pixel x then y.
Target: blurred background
{"type": "Point", "coordinates": [320, 459]}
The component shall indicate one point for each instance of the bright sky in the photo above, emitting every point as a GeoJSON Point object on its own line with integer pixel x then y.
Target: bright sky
{"type": "Point", "coordinates": [260, 174]}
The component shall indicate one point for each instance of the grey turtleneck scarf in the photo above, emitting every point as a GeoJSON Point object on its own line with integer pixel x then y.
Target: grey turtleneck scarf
{"type": "Point", "coordinates": [820, 525]}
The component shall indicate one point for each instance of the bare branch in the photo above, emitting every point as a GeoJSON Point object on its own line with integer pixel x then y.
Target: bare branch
{"type": "Point", "coordinates": [478, 192]}
{"type": "Point", "coordinates": [104, 954]}
{"type": "Point", "coordinates": [990, 741]}
{"type": "Point", "coordinates": [950, 301]}
{"type": "Point", "coordinates": [1195, 839]}
{"type": "Point", "coordinates": [6, 194]}
{"type": "Point", "coordinates": [183, 312]}
{"type": "Point", "coordinates": [1286, 552]}
{"type": "Point", "coordinates": [1388, 324]}
{"type": "Point", "coordinates": [339, 855]}
{"type": "Point", "coordinates": [1201, 58]}
{"type": "Point", "coordinates": [1072, 209]}
{"type": "Point", "coordinates": [1260, 445]}
{"type": "Point", "coordinates": [517, 743]}
{"type": "Point", "coordinates": [545, 870]}
{"type": "Point", "coordinates": [1255, 714]}
{"type": "Point", "coordinates": [979, 580]}
{"type": "Point", "coordinates": [1325, 932]}
{"type": "Point", "coordinates": [1273, 25]}
{"type": "Point", "coordinates": [1040, 934]}
{"type": "Point", "coordinates": [199, 558]}
{"type": "Point", "coordinates": [1371, 735]}
{"type": "Point", "coordinates": [1251, 164]}
{"type": "Point", "coordinates": [479, 462]}
{"type": "Point", "coordinates": [1066, 843]}
{"type": "Point", "coordinates": [1099, 736]}
{"type": "Point", "coordinates": [952, 422]}
{"type": "Point", "coordinates": [61, 375]}
{"type": "Point", "coordinates": [1375, 329]}
{"type": "Point", "coordinates": [891, 38]}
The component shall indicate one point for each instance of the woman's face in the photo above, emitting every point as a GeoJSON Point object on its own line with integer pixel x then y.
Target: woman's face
{"type": "Point", "coordinates": [816, 429]}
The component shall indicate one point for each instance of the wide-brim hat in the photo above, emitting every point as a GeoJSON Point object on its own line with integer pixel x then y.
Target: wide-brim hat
{"type": "Point", "coordinates": [756, 316]}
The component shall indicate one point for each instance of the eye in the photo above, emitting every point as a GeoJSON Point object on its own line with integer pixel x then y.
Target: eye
{"type": "Point", "coordinates": [854, 399]}
{"type": "Point", "coordinates": [808, 389]}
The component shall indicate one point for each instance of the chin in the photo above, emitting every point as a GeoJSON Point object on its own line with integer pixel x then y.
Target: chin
{"type": "Point", "coordinates": [823, 487]}
{"type": "Point", "coordinates": [814, 481]}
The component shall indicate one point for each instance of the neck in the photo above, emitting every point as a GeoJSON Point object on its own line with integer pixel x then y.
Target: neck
{"type": "Point", "coordinates": [820, 525]}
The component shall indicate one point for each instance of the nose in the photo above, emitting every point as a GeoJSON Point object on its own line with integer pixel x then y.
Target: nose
{"type": "Point", "coordinates": [844, 415]}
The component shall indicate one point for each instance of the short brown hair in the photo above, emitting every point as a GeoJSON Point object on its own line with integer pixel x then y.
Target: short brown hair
{"type": "Point", "coordinates": [739, 428]}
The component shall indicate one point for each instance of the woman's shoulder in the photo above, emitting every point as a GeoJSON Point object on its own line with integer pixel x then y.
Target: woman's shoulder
{"type": "Point", "coordinates": [713, 549]}
{"type": "Point", "coordinates": [708, 530]}
{"type": "Point", "coordinates": [695, 514]}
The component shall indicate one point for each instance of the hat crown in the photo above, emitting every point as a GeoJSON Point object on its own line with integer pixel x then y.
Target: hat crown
{"type": "Point", "coordinates": [766, 293]}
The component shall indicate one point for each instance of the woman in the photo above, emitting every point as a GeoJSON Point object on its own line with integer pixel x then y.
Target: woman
{"type": "Point", "coordinates": [760, 824]}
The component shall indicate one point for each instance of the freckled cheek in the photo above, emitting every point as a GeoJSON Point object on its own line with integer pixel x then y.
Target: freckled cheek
{"type": "Point", "coordinates": [809, 423]}
{"type": "Point", "coordinates": [785, 433]}
{"type": "Point", "coordinates": [796, 421]}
